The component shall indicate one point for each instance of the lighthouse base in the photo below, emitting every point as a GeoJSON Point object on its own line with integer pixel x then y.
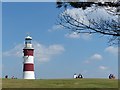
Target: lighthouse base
{"type": "Point", "coordinates": [28, 75]}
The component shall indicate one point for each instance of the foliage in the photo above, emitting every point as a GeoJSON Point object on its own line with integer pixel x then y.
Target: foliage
{"type": "Point", "coordinates": [100, 25]}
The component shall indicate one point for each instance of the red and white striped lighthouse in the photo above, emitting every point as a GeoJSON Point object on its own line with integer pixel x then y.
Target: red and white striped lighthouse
{"type": "Point", "coordinates": [28, 64]}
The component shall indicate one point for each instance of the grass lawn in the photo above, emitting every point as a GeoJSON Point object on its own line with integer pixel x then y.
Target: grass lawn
{"type": "Point", "coordinates": [59, 83]}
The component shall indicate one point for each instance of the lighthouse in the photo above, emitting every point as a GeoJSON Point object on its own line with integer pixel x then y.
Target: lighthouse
{"type": "Point", "coordinates": [28, 63]}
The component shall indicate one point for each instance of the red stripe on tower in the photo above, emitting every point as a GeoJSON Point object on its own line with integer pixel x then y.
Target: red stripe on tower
{"type": "Point", "coordinates": [28, 52]}
{"type": "Point", "coordinates": [28, 65]}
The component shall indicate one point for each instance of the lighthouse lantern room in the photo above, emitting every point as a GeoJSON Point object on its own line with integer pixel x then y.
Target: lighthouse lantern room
{"type": "Point", "coordinates": [28, 64]}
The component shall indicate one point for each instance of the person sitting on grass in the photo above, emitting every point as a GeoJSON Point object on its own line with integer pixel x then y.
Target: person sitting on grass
{"type": "Point", "coordinates": [6, 76]}
{"type": "Point", "coordinates": [75, 76]}
{"type": "Point", "coordinates": [13, 77]}
{"type": "Point", "coordinates": [80, 76]}
{"type": "Point", "coordinates": [111, 76]}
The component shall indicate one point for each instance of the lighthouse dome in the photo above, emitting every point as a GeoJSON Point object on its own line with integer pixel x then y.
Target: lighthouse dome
{"type": "Point", "coordinates": [28, 38]}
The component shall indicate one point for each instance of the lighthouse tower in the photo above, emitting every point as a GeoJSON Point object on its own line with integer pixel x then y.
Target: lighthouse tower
{"type": "Point", "coordinates": [28, 64]}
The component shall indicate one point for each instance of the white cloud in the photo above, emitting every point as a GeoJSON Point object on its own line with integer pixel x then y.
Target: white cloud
{"type": "Point", "coordinates": [96, 57]}
{"type": "Point", "coordinates": [75, 35]}
{"type": "Point", "coordinates": [103, 67]}
{"type": "Point", "coordinates": [78, 14]}
{"type": "Point", "coordinates": [16, 51]}
{"type": "Point", "coordinates": [55, 28]}
{"type": "Point", "coordinates": [101, 1]}
{"type": "Point", "coordinates": [84, 16]}
{"type": "Point", "coordinates": [42, 53]}
{"type": "Point", "coordinates": [86, 36]}
{"type": "Point", "coordinates": [107, 0]}
{"type": "Point", "coordinates": [112, 50]}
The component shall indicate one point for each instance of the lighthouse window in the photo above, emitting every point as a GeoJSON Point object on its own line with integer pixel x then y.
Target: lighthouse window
{"type": "Point", "coordinates": [28, 41]}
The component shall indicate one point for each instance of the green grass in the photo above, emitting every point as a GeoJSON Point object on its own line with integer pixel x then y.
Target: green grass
{"type": "Point", "coordinates": [60, 83]}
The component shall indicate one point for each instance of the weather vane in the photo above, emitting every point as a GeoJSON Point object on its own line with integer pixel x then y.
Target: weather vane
{"type": "Point", "coordinates": [28, 33]}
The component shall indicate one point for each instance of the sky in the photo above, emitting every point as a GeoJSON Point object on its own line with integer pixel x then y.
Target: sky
{"type": "Point", "coordinates": [59, 53]}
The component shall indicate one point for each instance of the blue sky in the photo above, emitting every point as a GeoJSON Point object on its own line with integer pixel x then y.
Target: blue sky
{"type": "Point", "coordinates": [59, 53]}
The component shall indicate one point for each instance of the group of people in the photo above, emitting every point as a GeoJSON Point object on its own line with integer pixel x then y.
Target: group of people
{"type": "Point", "coordinates": [77, 76]}
{"type": "Point", "coordinates": [111, 76]}
{"type": "Point", "coordinates": [11, 77]}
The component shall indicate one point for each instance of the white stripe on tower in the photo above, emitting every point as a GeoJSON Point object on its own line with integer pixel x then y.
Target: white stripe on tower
{"type": "Point", "coordinates": [28, 59]}
{"type": "Point", "coordinates": [28, 64]}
